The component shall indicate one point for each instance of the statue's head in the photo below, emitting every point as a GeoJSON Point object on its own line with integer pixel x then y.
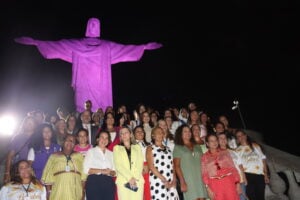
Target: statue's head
{"type": "Point", "coordinates": [93, 28]}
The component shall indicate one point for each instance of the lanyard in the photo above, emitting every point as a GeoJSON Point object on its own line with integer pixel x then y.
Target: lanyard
{"type": "Point", "coordinates": [26, 189]}
{"type": "Point", "coordinates": [68, 157]}
{"type": "Point", "coordinates": [142, 143]}
{"type": "Point", "coordinates": [166, 142]}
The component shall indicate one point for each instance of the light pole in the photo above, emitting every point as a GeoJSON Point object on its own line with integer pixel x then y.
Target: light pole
{"type": "Point", "coordinates": [236, 106]}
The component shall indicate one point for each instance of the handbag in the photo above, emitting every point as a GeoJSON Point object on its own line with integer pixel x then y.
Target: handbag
{"type": "Point", "coordinates": [132, 188]}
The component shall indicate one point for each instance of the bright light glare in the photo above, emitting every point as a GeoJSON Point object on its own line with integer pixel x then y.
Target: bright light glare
{"type": "Point", "coordinates": [7, 125]}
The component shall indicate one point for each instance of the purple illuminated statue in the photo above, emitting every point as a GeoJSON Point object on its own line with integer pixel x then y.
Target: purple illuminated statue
{"type": "Point", "coordinates": [91, 59]}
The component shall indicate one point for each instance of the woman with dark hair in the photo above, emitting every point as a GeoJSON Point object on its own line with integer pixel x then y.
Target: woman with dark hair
{"type": "Point", "coordinates": [147, 125]}
{"type": "Point", "coordinates": [139, 136]}
{"type": "Point", "coordinates": [71, 123]}
{"type": "Point", "coordinates": [223, 142]}
{"type": "Point", "coordinates": [196, 132]}
{"type": "Point", "coordinates": [254, 164]}
{"type": "Point", "coordinates": [205, 124]}
{"type": "Point", "coordinates": [154, 115]}
{"type": "Point", "coordinates": [140, 108]}
{"type": "Point", "coordinates": [219, 173]}
{"type": "Point", "coordinates": [224, 119]}
{"type": "Point", "coordinates": [172, 120]}
{"type": "Point", "coordinates": [98, 165]}
{"type": "Point", "coordinates": [19, 145]}
{"type": "Point", "coordinates": [231, 139]}
{"type": "Point", "coordinates": [23, 184]}
{"type": "Point", "coordinates": [109, 124]}
{"type": "Point", "coordinates": [120, 119]}
{"type": "Point", "coordinates": [187, 160]}
{"type": "Point", "coordinates": [83, 145]}
{"type": "Point", "coordinates": [63, 174]}
{"type": "Point", "coordinates": [43, 144]}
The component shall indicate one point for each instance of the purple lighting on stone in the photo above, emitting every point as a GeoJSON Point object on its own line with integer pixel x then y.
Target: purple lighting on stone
{"type": "Point", "coordinates": [91, 59]}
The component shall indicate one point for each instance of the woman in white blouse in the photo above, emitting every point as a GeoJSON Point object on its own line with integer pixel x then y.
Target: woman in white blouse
{"type": "Point", "coordinates": [98, 164]}
{"type": "Point", "coordinates": [254, 164]}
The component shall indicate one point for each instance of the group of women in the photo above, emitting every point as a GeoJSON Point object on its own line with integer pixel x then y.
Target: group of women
{"type": "Point", "coordinates": [133, 168]}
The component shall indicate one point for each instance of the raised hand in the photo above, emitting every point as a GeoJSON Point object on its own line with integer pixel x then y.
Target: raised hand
{"type": "Point", "coordinates": [152, 45]}
{"type": "Point", "coordinates": [26, 40]}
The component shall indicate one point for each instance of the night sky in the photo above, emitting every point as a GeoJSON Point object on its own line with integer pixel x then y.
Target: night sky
{"type": "Point", "coordinates": [213, 53]}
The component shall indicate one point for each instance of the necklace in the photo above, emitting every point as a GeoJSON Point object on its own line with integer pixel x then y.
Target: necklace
{"type": "Point", "coordinates": [191, 148]}
{"type": "Point", "coordinates": [68, 157]}
{"type": "Point", "coordinates": [26, 189]}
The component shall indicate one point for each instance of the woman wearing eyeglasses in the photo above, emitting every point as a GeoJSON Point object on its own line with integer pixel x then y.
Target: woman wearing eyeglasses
{"type": "Point", "coordinates": [219, 173]}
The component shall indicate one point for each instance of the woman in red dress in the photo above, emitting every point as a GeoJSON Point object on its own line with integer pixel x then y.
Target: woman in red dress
{"type": "Point", "coordinates": [139, 136]}
{"type": "Point", "coordinates": [219, 173]}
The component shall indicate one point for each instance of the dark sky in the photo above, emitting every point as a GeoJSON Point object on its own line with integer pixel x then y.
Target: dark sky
{"type": "Point", "coordinates": [213, 53]}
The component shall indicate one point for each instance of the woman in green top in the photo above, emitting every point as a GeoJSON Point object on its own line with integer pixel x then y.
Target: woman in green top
{"type": "Point", "coordinates": [187, 159]}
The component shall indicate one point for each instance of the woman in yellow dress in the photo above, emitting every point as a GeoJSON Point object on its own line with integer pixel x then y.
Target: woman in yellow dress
{"type": "Point", "coordinates": [63, 174]}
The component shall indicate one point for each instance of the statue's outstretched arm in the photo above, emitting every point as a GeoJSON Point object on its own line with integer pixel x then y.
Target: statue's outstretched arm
{"type": "Point", "coordinates": [26, 40]}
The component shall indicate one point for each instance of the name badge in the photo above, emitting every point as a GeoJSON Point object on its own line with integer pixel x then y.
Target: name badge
{"type": "Point", "coordinates": [67, 168]}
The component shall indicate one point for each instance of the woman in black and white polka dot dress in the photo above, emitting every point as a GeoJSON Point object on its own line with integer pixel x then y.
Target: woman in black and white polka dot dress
{"type": "Point", "coordinates": [160, 161]}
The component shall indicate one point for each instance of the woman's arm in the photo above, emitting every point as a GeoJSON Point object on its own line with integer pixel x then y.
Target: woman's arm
{"type": "Point", "coordinates": [4, 193]}
{"type": "Point", "coordinates": [8, 162]}
{"type": "Point", "coordinates": [48, 190]}
{"type": "Point", "coordinates": [244, 179]}
{"type": "Point", "coordinates": [31, 156]}
{"type": "Point", "coordinates": [266, 173]}
{"type": "Point", "coordinates": [183, 185]}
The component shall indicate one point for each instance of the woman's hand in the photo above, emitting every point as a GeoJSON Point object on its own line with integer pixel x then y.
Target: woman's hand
{"type": "Point", "coordinates": [6, 177]}
{"type": "Point", "coordinates": [211, 195]}
{"type": "Point", "coordinates": [111, 172]}
{"type": "Point", "coordinates": [132, 182]}
{"type": "Point", "coordinates": [239, 189]}
{"type": "Point", "coordinates": [170, 184]}
{"type": "Point", "coordinates": [267, 179]}
{"type": "Point", "coordinates": [183, 186]}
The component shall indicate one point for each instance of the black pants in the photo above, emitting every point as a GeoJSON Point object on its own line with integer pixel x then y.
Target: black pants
{"type": "Point", "coordinates": [255, 188]}
{"type": "Point", "coordinates": [100, 187]}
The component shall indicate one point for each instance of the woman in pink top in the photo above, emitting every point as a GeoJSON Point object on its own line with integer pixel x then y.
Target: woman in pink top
{"type": "Point", "coordinates": [83, 143]}
{"type": "Point", "coordinates": [219, 174]}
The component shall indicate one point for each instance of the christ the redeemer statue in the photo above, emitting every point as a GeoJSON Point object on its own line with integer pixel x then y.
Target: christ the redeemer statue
{"type": "Point", "coordinates": [91, 59]}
